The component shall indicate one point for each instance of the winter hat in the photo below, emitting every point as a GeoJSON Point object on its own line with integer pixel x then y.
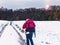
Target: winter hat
{"type": "Point", "coordinates": [27, 19]}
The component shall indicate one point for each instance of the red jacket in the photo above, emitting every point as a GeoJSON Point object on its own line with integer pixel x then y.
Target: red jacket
{"type": "Point", "coordinates": [25, 25]}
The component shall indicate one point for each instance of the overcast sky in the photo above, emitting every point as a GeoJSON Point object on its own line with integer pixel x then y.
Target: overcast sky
{"type": "Point", "coordinates": [16, 4]}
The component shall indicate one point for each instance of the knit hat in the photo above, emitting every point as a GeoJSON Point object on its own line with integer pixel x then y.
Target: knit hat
{"type": "Point", "coordinates": [27, 19]}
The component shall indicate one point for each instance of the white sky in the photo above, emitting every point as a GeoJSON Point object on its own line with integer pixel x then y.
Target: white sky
{"type": "Point", "coordinates": [16, 4]}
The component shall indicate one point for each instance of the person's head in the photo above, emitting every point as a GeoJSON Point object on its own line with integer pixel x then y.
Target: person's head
{"type": "Point", "coordinates": [27, 19]}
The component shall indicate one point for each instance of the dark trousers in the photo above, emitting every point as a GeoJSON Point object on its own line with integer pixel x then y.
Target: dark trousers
{"type": "Point", "coordinates": [29, 38]}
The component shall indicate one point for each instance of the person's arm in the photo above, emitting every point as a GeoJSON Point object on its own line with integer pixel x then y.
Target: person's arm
{"type": "Point", "coordinates": [34, 30]}
{"type": "Point", "coordinates": [23, 27]}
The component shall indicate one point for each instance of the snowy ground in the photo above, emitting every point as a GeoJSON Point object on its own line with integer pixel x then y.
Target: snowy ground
{"type": "Point", "coordinates": [47, 33]}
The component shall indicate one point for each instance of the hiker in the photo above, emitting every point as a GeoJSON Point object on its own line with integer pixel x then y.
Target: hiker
{"type": "Point", "coordinates": [29, 27]}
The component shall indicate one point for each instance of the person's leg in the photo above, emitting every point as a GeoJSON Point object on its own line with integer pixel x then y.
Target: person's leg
{"type": "Point", "coordinates": [30, 38]}
{"type": "Point", "coordinates": [27, 39]}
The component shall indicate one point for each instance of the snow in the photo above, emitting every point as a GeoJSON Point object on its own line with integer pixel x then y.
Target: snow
{"type": "Point", "coordinates": [47, 33]}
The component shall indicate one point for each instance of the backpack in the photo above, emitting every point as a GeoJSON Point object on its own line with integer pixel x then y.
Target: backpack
{"type": "Point", "coordinates": [31, 27]}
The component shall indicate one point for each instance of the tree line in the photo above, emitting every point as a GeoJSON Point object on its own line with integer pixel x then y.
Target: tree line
{"type": "Point", "coordinates": [40, 14]}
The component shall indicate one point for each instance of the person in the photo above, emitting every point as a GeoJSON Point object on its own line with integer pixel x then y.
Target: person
{"type": "Point", "coordinates": [29, 30]}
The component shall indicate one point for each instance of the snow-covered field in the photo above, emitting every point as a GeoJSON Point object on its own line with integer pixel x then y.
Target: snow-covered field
{"type": "Point", "coordinates": [47, 33]}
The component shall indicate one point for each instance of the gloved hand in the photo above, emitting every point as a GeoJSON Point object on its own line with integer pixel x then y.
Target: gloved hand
{"type": "Point", "coordinates": [22, 31]}
{"type": "Point", "coordinates": [34, 34]}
